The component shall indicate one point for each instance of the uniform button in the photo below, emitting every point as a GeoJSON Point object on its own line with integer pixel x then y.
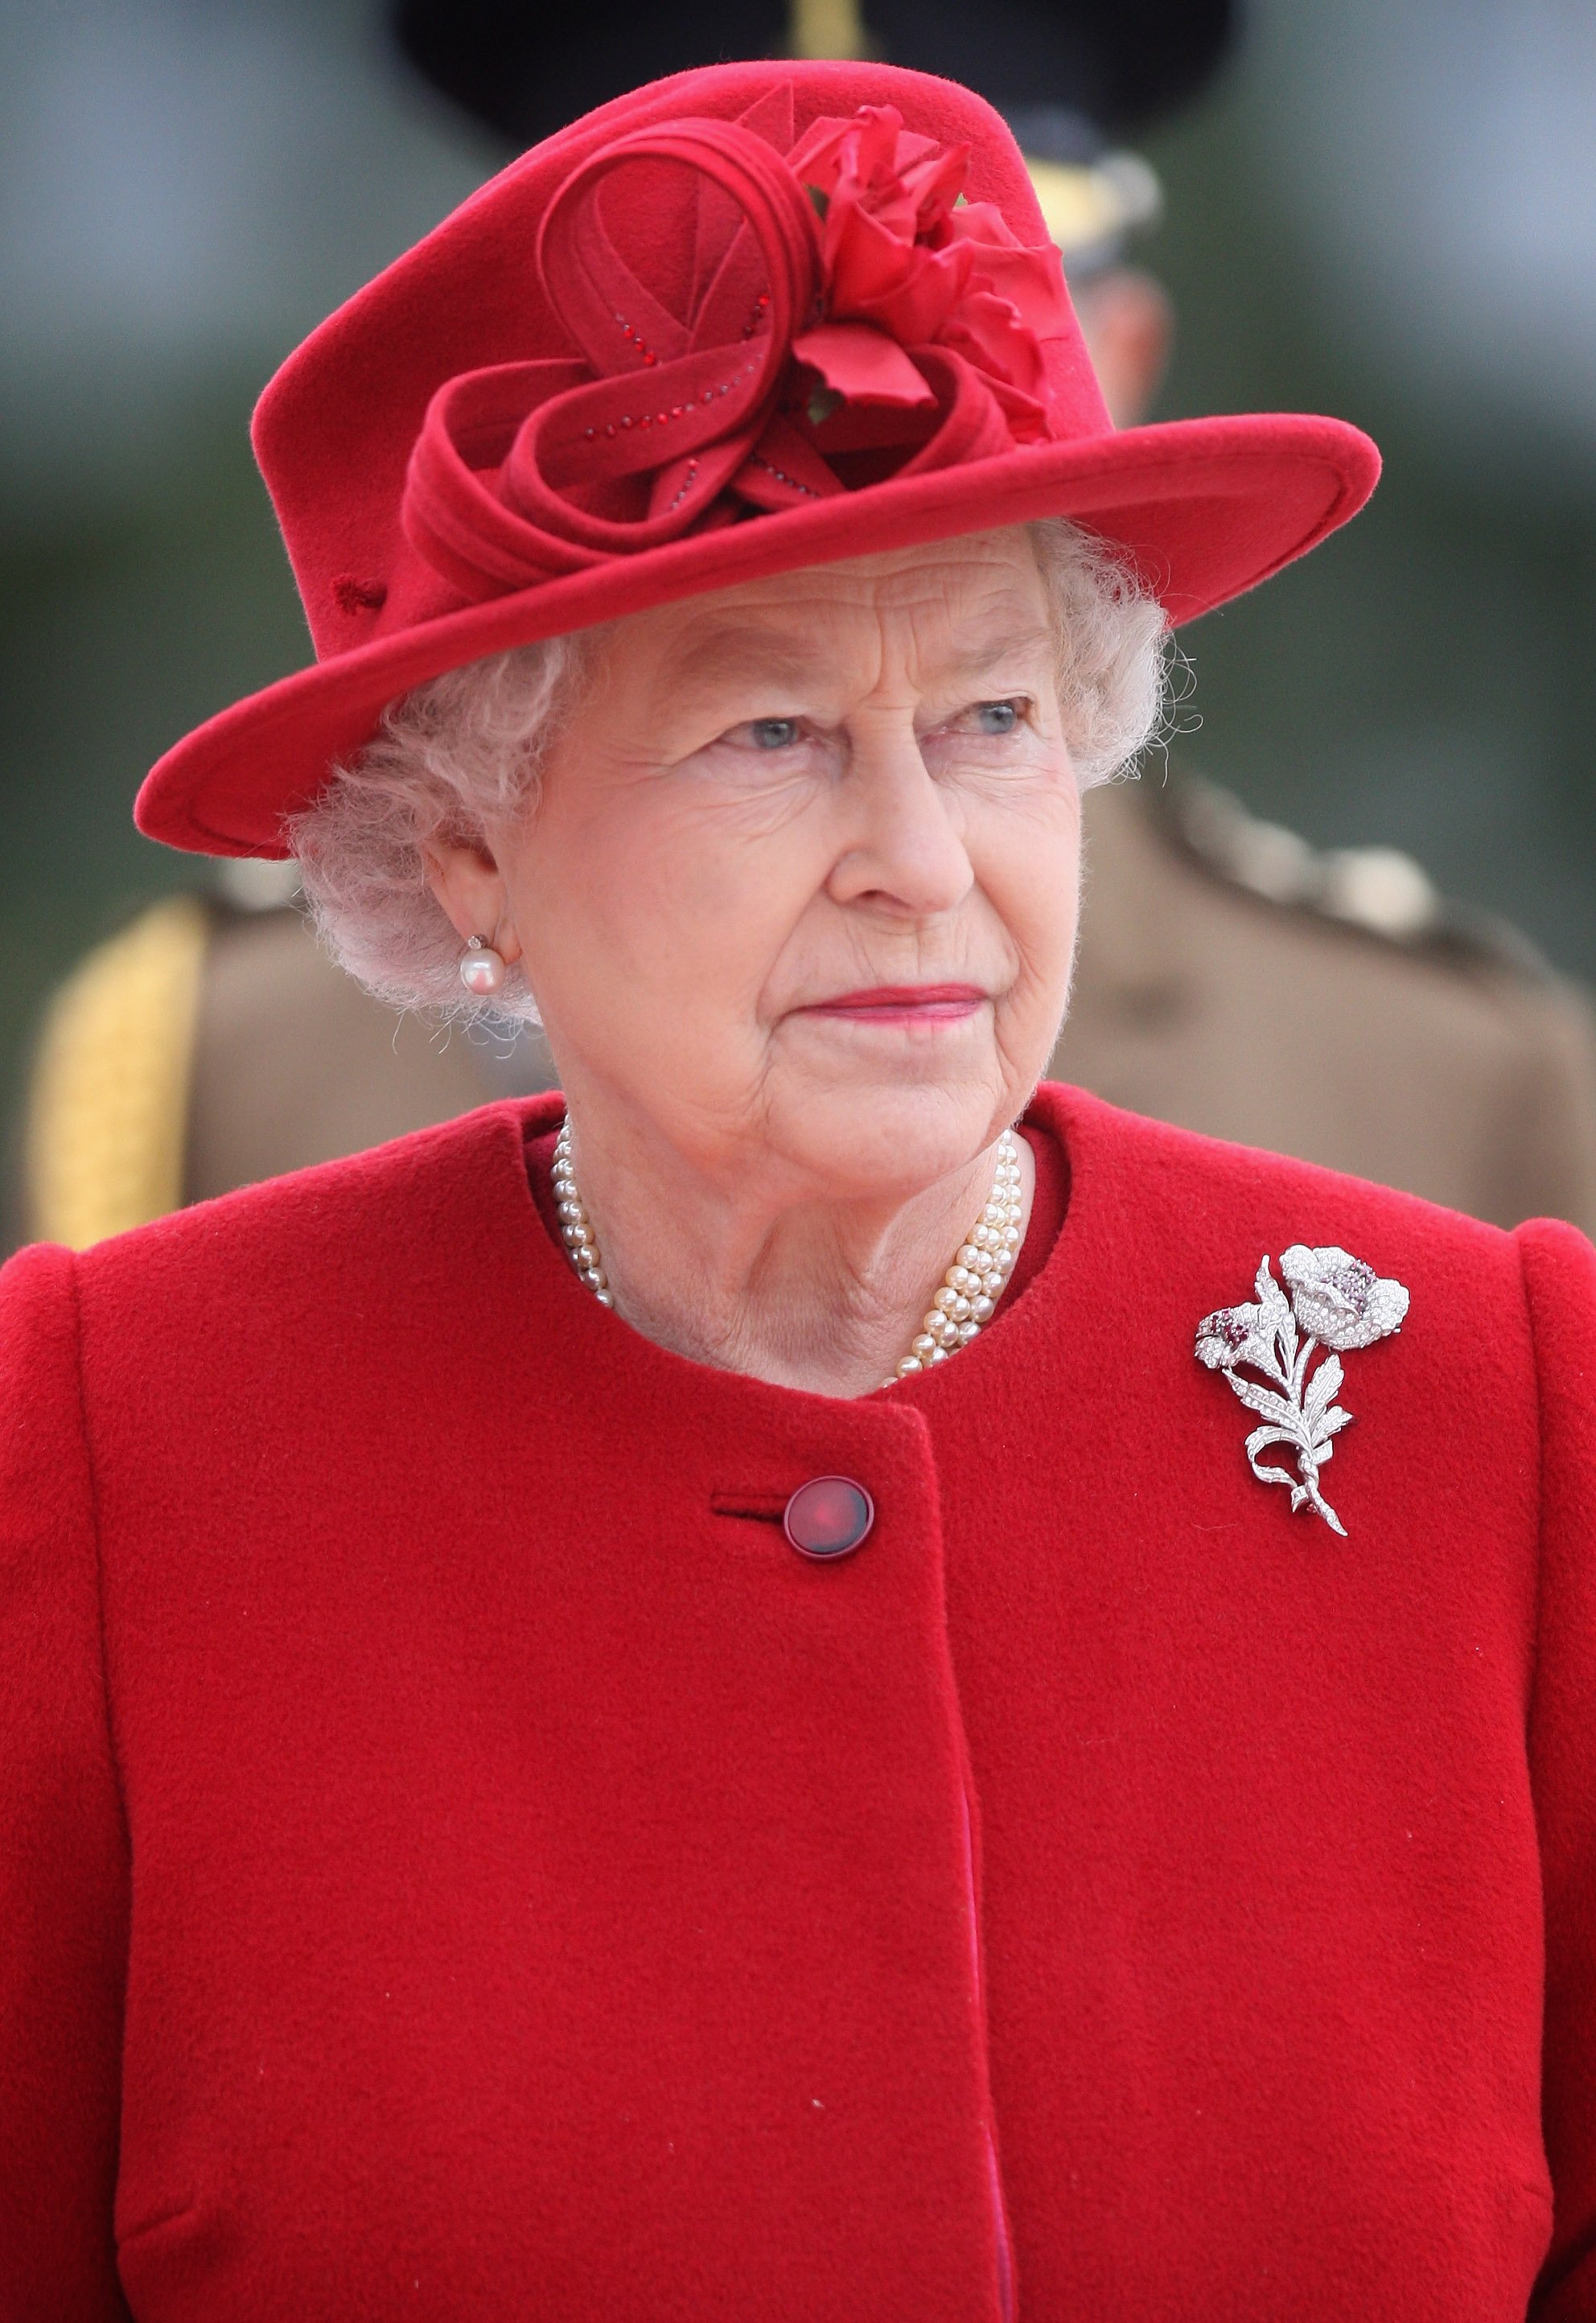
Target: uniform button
{"type": "Point", "coordinates": [829, 1516]}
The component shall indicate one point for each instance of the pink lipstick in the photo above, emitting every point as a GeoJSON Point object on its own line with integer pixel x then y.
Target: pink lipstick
{"type": "Point", "coordinates": [903, 1004]}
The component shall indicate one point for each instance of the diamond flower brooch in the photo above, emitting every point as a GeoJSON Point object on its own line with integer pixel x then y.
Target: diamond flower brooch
{"type": "Point", "coordinates": [1336, 1302]}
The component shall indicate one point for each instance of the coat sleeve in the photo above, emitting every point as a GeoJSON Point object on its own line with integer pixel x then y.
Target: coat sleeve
{"type": "Point", "coordinates": [1560, 1280]}
{"type": "Point", "coordinates": [64, 1855]}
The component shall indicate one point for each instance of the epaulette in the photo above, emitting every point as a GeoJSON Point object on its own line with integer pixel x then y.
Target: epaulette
{"type": "Point", "coordinates": [1380, 891]}
{"type": "Point", "coordinates": [106, 1128]}
{"type": "Point", "coordinates": [108, 1106]}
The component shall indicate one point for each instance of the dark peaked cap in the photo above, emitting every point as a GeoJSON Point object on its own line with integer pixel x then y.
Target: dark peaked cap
{"type": "Point", "coordinates": [526, 68]}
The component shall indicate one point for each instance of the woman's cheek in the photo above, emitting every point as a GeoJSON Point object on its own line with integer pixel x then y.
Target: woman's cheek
{"type": "Point", "coordinates": [1031, 872]}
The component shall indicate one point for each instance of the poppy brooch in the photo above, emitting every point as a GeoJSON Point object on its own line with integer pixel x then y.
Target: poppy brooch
{"type": "Point", "coordinates": [1337, 1303]}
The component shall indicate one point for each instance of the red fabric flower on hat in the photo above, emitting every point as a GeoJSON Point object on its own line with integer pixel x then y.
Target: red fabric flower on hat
{"type": "Point", "coordinates": [760, 325]}
{"type": "Point", "coordinates": [907, 262]}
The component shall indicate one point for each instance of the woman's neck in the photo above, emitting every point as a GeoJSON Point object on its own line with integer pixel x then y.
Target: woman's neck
{"type": "Point", "coordinates": [818, 1295]}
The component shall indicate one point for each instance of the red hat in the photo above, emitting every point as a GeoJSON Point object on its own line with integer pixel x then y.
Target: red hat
{"type": "Point", "coordinates": [751, 319]}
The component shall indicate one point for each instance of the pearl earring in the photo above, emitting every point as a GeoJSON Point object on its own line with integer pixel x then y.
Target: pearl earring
{"type": "Point", "coordinates": [481, 969]}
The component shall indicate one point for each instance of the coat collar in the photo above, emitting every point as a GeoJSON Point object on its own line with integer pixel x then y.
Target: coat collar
{"type": "Point", "coordinates": [594, 1336]}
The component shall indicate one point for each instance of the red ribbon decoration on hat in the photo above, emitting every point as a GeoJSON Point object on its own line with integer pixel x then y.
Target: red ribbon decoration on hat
{"type": "Point", "coordinates": [847, 318]}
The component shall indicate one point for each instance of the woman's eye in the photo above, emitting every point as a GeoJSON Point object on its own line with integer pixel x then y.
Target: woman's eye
{"type": "Point", "coordinates": [997, 717]}
{"type": "Point", "coordinates": [772, 733]}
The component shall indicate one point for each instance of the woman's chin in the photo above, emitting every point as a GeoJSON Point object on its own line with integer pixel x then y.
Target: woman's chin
{"type": "Point", "coordinates": [891, 1133]}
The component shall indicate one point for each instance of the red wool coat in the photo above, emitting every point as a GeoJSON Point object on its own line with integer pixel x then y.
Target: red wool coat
{"type": "Point", "coordinates": [457, 1860]}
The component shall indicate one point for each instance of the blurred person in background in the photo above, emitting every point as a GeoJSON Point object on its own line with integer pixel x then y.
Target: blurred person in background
{"type": "Point", "coordinates": [213, 1043]}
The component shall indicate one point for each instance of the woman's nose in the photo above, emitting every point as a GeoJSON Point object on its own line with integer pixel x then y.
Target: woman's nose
{"type": "Point", "coordinates": [903, 848]}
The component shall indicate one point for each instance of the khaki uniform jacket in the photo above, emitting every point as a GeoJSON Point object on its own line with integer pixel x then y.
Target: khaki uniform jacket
{"type": "Point", "coordinates": [1231, 980]}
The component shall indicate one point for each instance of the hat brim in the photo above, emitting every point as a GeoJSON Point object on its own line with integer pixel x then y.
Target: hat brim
{"type": "Point", "coordinates": [1205, 509]}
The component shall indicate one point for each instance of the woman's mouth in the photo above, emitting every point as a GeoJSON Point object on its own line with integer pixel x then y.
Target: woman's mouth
{"type": "Point", "coordinates": [903, 1004]}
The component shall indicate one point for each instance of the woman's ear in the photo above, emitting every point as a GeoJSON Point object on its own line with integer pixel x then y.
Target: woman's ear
{"type": "Point", "coordinates": [470, 890]}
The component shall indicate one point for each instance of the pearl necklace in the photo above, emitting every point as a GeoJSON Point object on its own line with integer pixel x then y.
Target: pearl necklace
{"type": "Point", "coordinates": [971, 1289]}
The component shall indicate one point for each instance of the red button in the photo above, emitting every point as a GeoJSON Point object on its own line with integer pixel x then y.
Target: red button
{"type": "Point", "coordinates": [829, 1516]}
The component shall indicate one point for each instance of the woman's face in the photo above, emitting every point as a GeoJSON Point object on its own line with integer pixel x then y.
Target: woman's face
{"type": "Point", "coordinates": [801, 880]}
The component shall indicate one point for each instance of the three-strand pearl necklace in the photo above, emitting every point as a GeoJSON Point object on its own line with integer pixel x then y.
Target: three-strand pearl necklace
{"type": "Point", "coordinates": [971, 1289]}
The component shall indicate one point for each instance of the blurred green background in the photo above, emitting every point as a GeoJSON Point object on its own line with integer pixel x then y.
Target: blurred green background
{"type": "Point", "coordinates": [1357, 221]}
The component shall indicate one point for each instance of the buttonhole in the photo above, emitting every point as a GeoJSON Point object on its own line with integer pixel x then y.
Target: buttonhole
{"type": "Point", "coordinates": [764, 1507]}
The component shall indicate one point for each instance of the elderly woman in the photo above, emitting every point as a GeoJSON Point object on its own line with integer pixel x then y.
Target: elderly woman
{"type": "Point", "coordinates": [693, 1699]}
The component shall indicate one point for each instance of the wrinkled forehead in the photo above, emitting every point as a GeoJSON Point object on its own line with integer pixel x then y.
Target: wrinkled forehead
{"type": "Point", "coordinates": [950, 609]}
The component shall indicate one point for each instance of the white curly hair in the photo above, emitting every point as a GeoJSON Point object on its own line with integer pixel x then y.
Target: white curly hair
{"type": "Point", "coordinates": [459, 760]}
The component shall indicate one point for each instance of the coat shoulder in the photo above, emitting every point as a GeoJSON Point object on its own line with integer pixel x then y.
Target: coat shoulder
{"type": "Point", "coordinates": [1173, 1228]}
{"type": "Point", "coordinates": [1181, 1191]}
{"type": "Point", "coordinates": [340, 1229]}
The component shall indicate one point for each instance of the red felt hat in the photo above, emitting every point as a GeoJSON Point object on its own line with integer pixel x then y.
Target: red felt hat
{"type": "Point", "coordinates": [751, 319]}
